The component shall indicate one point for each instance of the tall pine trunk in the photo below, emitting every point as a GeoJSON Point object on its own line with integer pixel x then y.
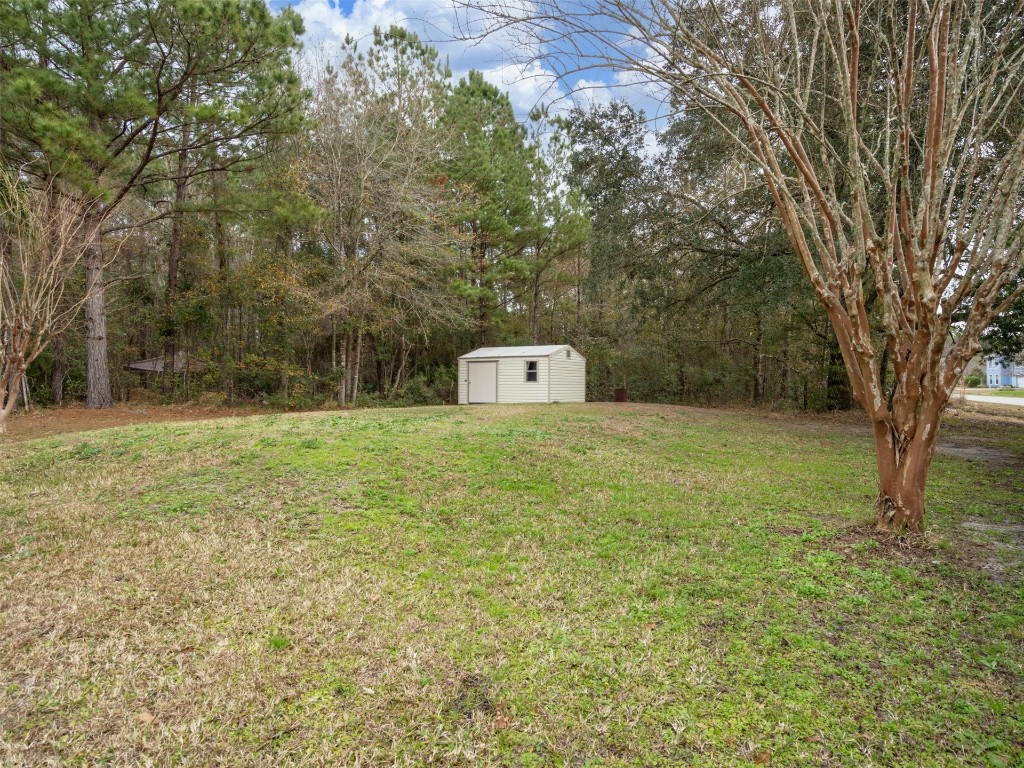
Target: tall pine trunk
{"type": "Point", "coordinates": [174, 262]}
{"type": "Point", "coordinates": [224, 356]}
{"type": "Point", "coordinates": [60, 369]}
{"type": "Point", "coordinates": [759, 362]}
{"type": "Point", "coordinates": [97, 364]}
{"type": "Point", "coordinates": [535, 312]}
{"type": "Point", "coordinates": [170, 292]}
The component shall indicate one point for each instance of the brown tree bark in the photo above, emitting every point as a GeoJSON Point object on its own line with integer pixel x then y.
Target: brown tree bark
{"type": "Point", "coordinates": [97, 367]}
{"type": "Point", "coordinates": [358, 364]}
{"type": "Point", "coordinates": [759, 361]}
{"type": "Point", "coordinates": [903, 471]}
{"type": "Point", "coordinates": [535, 311]}
{"type": "Point", "coordinates": [60, 369]}
{"type": "Point", "coordinates": [174, 261]}
{"type": "Point", "coordinates": [223, 265]}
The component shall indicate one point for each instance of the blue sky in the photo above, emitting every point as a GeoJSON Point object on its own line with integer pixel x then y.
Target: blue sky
{"type": "Point", "coordinates": [528, 85]}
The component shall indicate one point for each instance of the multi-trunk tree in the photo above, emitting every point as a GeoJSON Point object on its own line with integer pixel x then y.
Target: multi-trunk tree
{"type": "Point", "coordinates": [888, 133]}
{"type": "Point", "coordinates": [44, 234]}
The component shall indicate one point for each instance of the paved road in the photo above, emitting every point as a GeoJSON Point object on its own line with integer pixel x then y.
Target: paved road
{"type": "Point", "coordinates": [1018, 401]}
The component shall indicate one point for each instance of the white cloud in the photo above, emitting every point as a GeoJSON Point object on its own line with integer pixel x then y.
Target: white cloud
{"type": "Point", "coordinates": [504, 58]}
{"type": "Point", "coordinates": [528, 84]}
{"type": "Point", "coordinates": [593, 92]}
{"type": "Point", "coordinates": [327, 23]}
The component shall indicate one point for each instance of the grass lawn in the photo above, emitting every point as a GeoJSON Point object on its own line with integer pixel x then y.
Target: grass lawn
{"type": "Point", "coordinates": [523, 586]}
{"type": "Point", "coordinates": [989, 391]}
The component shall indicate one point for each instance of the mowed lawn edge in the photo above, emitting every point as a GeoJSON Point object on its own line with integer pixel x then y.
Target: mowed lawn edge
{"type": "Point", "coordinates": [518, 585]}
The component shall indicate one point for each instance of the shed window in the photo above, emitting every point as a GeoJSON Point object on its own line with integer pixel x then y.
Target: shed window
{"type": "Point", "coordinates": [568, 354]}
{"type": "Point", "coordinates": [531, 370]}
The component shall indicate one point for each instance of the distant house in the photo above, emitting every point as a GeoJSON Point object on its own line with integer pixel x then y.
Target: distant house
{"type": "Point", "coordinates": [550, 373]}
{"type": "Point", "coordinates": [1001, 372]}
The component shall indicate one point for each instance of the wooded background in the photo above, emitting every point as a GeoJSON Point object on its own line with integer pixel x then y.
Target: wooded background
{"type": "Point", "coordinates": [339, 225]}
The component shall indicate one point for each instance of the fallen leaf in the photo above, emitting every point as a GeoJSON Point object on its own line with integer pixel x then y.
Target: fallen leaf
{"type": "Point", "coordinates": [146, 717]}
{"type": "Point", "coordinates": [762, 757]}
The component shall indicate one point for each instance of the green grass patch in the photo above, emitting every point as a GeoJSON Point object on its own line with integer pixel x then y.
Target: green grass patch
{"type": "Point", "coordinates": [518, 586]}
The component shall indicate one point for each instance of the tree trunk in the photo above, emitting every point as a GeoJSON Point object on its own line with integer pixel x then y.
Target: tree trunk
{"type": "Point", "coordinates": [173, 261]}
{"type": "Point", "coordinates": [759, 362]}
{"type": "Point", "coordinates": [7, 404]}
{"type": "Point", "coordinates": [784, 375]}
{"type": "Point", "coordinates": [534, 311]}
{"type": "Point", "coordinates": [481, 270]}
{"type": "Point", "coordinates": [223, 265]}
{"type": "Point", "coordinates": [60, 369]}
{"type": "Point", "coordinates": [358, 364]}
{"type": "Point", "coordinates": [97, 365]}
{"type": "Point", "coordinates": [344, 386]}
{"type": "Point", "coordinates": [578, 329]}
{"type": "Point", "coordinates": [342, 375]}
{"type": "Point", "coordinates": [903, 471]}
{"type": "Point", "coordinates": [169, 331]}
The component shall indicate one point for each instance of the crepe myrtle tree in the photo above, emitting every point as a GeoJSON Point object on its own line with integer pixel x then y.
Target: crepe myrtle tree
{"type": "Point", "coordinates": [44, 236]}
{"type": "Point", "coordinates": [890, 135]}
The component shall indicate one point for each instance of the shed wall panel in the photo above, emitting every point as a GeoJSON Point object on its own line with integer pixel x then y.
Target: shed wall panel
{"type": "Point", "coordinates": [463, 383]}
{"type": "Point", "coordinates": [513, 386]}
{"type": "Point", "coordinates": [568, 378]}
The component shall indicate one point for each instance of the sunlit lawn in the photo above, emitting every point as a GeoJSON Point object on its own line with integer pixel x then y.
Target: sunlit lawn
{"type": "Point", "coordinates": [521, 586]}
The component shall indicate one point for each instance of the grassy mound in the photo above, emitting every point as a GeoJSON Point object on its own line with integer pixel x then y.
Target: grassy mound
{"type": "Point", "coordinates": [522, 586]}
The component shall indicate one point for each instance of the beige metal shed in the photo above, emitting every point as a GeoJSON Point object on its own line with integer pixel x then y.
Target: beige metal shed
{"type": "Point", "coordinates": [549, 373]}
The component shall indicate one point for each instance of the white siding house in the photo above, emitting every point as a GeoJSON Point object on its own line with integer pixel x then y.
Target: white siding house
{"type": "Point", "coordinates": [540, 374]}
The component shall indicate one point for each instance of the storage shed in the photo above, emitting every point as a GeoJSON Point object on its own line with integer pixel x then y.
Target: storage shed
{"type": "Point", "coordinates": [541, 374]}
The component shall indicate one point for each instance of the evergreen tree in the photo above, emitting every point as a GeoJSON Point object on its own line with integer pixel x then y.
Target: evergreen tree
{"type": "Point", "coordinates": [490, 158]}
{"type": "Point", "coordinates": [112, 96]}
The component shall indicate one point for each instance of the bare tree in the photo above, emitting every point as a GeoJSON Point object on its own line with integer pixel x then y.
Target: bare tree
{"type": "Point", "coordinates": [371, 163]}
{"type": "Point", "coordinates": [890, 135]}
{"type": "Point", "coordinates": [44, 235]}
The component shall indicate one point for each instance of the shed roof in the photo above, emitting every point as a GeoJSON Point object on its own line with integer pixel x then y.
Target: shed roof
{"type": "Point", "coordinates": [541, 350]}
{"type": "Point", "coordinates": [156, 364]}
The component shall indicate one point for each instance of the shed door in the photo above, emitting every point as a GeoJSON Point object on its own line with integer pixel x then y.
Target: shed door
{"type": "Point", "coordinates": [483, 382]}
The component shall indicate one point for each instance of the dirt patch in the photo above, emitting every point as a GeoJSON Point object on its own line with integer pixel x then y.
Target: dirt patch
{"type": "Point", "coordinates": [996, 411]}
{"type": "Point", "coordinates": [1015, 530]}
{"type": "Point", "coordinates": [974, 449]}
{"type": "Point", "coordinates": [970, 553]}
{"type": "Point", "coordinates": [907, 547]}
{"type": "Point", "coordinates": [44, 422]}
{"type": "Point", "coordinates": [474, 694]}
{"type": "Point", "coordinates": [1005, 543]}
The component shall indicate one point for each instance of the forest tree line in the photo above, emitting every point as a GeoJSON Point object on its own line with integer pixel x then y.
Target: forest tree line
{"type": "Point", "coordinates": [338, 225]}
